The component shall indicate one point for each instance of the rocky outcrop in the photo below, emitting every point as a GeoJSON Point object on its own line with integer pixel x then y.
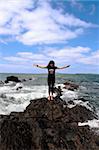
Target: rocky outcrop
{"type": "Point", "coordinates": [12, 78]}
{"type": "Point", "coordinates": [23, 80]}
{"type": "Point", "coordinates": [48, 125]}
{"type": "Point", "coordinates": [15, 79]}
{"type": "Point", "coordinates": [1, 82]}
{"type": "Point", "coordinates": [71, 86]}
{"type": "Point", "coordinates": [30, 78]}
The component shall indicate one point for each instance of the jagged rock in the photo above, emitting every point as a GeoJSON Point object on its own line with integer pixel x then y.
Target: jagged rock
{"type": "Point", "coordinates": [1, 82]}
{"type": "Point", "coordinates": [23, 80]}
{"type": "Point", "coordinates": [81, 114]}
{"type": "Point", "coordinates": [82, 99]}
{"type": "Point", "coordinates": [3, 95]}
{"type": "Point", "coordinates": [30, 78]}
{"type": "Point", "coordinates": [18, 88]}
{"type": "Point", "coordinates": [58, 91]}
{"type": "Point", "coordinates": [16, 131]}
{"type": "Point", "coordinates": [12, 78]}
{"type": "Point", "coordinates": [47, 125]}
{"type": "Point", "coordinates": [71, 102]}
{"type": "Point", "coordinates": [71, 86]}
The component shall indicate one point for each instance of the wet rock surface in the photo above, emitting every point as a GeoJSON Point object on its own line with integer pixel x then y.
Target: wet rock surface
{"type": "Point", "coordinates": [48, 125]}
{"type": "Point", "coordinates": [1, 82]}
{"type": "Point", "coordinates": [71, 86]}
{"type": "Point", "coordinates": [12, 78]}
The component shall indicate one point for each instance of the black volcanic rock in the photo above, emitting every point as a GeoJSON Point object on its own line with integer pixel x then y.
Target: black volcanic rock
{"type": "Point", "coordinates": [71, 102]}
{"type": "Point", "coordinates": [71, 86]}
{"type": "Point", "coordinates": [1, 82]}
{"type": "Point", "coordinates": [48, 125]}
{"type": "Point", "coordinates": [30, 78]}
{"type": "Point", "coordinates": [18, 88]}
{"type": "Point", "coordinates": [58, 90]}
{"type": "Point", "coordinates": [81, 114]}
{"type": "Point", "coordinates": [23, 80]}
{"type": "Point", "coordinates": [12, 78]}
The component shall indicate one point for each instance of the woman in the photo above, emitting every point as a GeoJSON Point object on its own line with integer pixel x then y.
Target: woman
{"type": "Point", "coordinates": [51, 76]}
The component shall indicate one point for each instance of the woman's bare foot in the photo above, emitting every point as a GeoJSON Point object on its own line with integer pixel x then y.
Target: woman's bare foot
{"type": "Point", "coordinates": [52, 98]}
{"type": "Point", "coordinates": [49, 98]}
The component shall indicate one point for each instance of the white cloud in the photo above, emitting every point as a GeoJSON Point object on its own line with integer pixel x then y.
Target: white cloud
{"type": "Point", "coordinates": [26, 58]}
{"type": "Point", "coordinates": [14, 68]}
{"type": "Point", "coordinates": [31, 56]}
{"type": "Point", "coordinates": [79, 5]}
{"type": "Point", "coordinates": [43, 24]}
{"type": "Point", "coordinates": [93, 59]}
{"type": "Point", "coordinates": [70, 55]}
{"type": "Point", "coordinates": [78, 57]}
{"type": "Point", "coordinates": [93, 8]}
{"type": "Point", "coordinates": [3, 41]}
{"type": "Point", "coordinates": [75, 3]}
{"type": "Point", "coordinates": [48, 36]}
{"type": "Point", "coordinates": [14, 59]}
{"type": "Point", "coordinates": [10, 15]}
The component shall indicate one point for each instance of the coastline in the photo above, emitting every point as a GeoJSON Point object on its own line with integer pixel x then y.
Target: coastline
{"type": "Point", "coordinates": [48, 125]}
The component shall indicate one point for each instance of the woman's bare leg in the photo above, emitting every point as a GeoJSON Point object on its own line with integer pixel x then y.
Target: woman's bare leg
{"type": "Point", "coordinates": [49, 98]}
{"type": "Point", "coordinates": [49, 92]}
{"type": "Point", "coordinates": [52, 91]}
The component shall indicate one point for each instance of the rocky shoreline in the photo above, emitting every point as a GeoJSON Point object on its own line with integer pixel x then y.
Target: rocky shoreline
{"type": "Point", "coordinates": [48, 125]}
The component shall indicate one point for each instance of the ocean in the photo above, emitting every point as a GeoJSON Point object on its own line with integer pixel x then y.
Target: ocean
{"type": "Point", "coordinates": [35, 86]}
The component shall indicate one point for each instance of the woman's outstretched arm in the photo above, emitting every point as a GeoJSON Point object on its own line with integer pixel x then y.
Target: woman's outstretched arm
{"type": "Point", "coordinates": [63, 67]}
{"type": "Point", "coordinates": [39, 66]}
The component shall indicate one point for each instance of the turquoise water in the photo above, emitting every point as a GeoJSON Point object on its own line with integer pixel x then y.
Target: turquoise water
{"type": "Point", "coordinates": [89, 83]}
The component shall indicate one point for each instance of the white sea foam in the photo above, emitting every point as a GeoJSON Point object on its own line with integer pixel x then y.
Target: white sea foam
{"type": "Point", "coordinates": [17, 108]}
{"type": "Point", "coordinates": [92, 123]}
{"type": "Point", "coordinates": [61, 85]}
{"type": "Point", "coordinates": [10, 83]}
{"type": "Point", "coordinates": [69, 95]}
{"type": "Point", "coordinates": [4, 89]}
{"type": "Point", "coordinates": [12, 99]}
{"type": "Point", "coordinates": [17, 100]}
{"type": "Point", "coordinates": [82, 88]}
{"type": "Point", "coordinates": [79, 102]}
{"type": "Point", "coordinates": [18, 85]}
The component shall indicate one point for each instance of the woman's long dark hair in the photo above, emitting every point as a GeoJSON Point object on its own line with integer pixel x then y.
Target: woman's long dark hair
{"type": "Point", "coordinates": [51, 62]}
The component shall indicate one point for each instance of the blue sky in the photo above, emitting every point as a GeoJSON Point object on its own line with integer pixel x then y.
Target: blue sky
{"type": "Point", "coordinates": [36, 31]}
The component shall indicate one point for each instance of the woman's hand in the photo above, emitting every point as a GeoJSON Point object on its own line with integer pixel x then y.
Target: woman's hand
{"type": "Point", "coordinates": [63, 67]}
{"type": "Point", "coordinates": [68, 66]}
{"type": "Point", "coordinates": [39, 66]}
{"type": "Point", "coordinates": [35, 65]}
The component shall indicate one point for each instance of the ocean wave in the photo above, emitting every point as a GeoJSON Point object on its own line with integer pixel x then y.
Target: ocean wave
{"type": "Point", "coordinates": [14, 98]}
{"type": "Point", "coordinates": [92, 123]}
